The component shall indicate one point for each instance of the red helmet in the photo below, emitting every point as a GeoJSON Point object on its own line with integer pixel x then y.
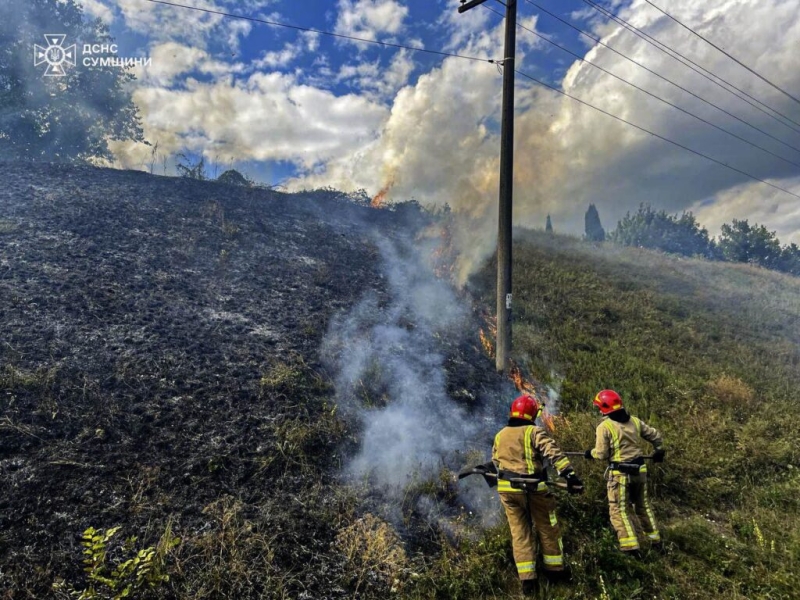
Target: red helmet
{"type": "Point", "coordinates": [525, 407]}
{"type": "Point", "coordinates": [608, 401]}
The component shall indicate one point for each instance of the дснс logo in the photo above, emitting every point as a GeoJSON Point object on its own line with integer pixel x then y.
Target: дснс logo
{"type": "Point", "coordinates": [55, 55]}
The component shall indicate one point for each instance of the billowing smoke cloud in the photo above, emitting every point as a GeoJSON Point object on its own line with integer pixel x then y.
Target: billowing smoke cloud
{"type": "Point", "coordinates": [440, 143]}
{"type": "Point", "coordinates": [437, 140]}
{"type": "Point", "coordinates": [389, 363]}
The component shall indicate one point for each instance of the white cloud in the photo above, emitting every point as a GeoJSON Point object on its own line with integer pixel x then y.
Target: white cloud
{"type": "Point", "coordinates": [163, 23]}
{"type": "Point", "coordinates": [170, 60]}
{"type": "Point", "coordinates": [776, 210]}
{"type": "Point", "coordinates": [373, 79]}
{"type": "Point", "coordinates": [277, 59]}
{"type": "Point", "coordinates": [267, 117]}
{"type": "Point", "coordinates": [98, 10]}
{"type": "Point", "coordinates": [368, 19]}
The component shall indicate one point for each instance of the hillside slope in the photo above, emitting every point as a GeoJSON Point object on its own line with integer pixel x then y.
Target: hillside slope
{"type": "Point", "coordinates": [160, 372]}
{"type": "Point", "coordinates": [204, 366]}
{"type": "Point", "coordinates": [710, 354]}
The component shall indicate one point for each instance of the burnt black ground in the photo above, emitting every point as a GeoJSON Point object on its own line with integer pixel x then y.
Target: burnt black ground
{"type": "Point", "coordinates": [138, 316]}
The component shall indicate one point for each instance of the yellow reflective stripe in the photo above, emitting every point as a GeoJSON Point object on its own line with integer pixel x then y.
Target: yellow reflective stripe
{"type": "Point", "coordinates": [529, 449]}
{"type": "Point", "coordinates": [525, 567]}
{"type": "Point", "coordinates": [562, 464]}
{"type": "Point", "coordinates": [623, 509]}
{"type": "Point", "coordinates": [615, 447]}
{"type": "Point", "coordinates": [553, 519]}
{"type": "Point", "coordinates": [505, 486]}
{"type": "Point", "coordinates": [643, 469]}
{"type": "Point", "coordinates": [638, 425]}
{"type": "Point", "coordinates": [628, 542]}
{"type": "Point", "coordinates": [655, 536]}
{"type": "Point", "coordinates": [553, 560]}
{"type": "Point", "coordinates": [649, 509]}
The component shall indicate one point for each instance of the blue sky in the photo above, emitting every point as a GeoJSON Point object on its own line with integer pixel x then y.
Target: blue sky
{"type": "Point", "coordinates": [307, 110]}
{"type": "Point", "coordinates": [422, 23]}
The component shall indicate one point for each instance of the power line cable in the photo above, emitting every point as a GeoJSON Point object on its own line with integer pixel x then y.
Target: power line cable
{"type": "Point", "coordinates": [733, 58]}
{"type": "Point", "coordinates": [598, 41]}
{"type": "Point", "coordinates": [661, 137]}
{"type": "Point", "coordinates": [687, 62]}
{"type": "Point", "coordinates": [321, 32]}
{"type": "Point", "coordinates": [230, 15]}
{"type": "Point", "coordinates": [644, 91]}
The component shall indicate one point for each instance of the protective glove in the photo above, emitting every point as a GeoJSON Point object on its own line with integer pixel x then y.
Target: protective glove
{"type": "Point", "coordinates": [588, 454]}
{"type": "Point", "coordinates": [658, 455]}
{"type": "Point", "coordinates": [574, 483]}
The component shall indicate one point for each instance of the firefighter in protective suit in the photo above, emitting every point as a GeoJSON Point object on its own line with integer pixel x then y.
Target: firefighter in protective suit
{"type": "Point", "coordinates": [518, 453]}
{"type": "Point", "coordinates": [617, 440]}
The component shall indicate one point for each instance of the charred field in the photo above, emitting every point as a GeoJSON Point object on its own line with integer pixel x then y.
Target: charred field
{"type": "Point", "coordinates": [195, 379]}
{"type": "Point", "coordinates": [161, 373]}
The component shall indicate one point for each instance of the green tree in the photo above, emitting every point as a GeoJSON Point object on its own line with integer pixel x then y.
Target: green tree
{"type": "Point", "coordinates": [741, 242]}
{"type": "Point", "coordinates": [593, 227]}
{"type": "Point", "coordinates": [549, 225]}
{"type": "Point", "coordinates": [790, 259]}
{"type": "Point", "coordinates": [59, 118]}
{"type": "Point", "coordinates": [649, 228]}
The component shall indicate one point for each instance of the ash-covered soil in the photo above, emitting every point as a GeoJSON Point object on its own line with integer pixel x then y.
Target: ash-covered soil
{"type": "Point", "coordinates": [159, 365]}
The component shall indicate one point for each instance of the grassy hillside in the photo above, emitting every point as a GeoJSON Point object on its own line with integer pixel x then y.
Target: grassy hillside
{"type": "Point", "coordinates": [709, 354]}
{"type": "Point", "coordinates": [163, 378]}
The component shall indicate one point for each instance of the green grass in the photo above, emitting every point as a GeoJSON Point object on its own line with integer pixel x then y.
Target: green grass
{"type": "Point", "coordinates": [706, 352]}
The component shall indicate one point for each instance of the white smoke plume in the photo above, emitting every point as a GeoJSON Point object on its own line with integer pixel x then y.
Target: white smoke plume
{"type": "Point", "coordinates": [388, 357]}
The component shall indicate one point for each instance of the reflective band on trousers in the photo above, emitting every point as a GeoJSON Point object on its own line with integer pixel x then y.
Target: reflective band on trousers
{"type": "Point", "coordinates": [623, 511]}
{"type": "Point", "coordinates": [553, 561]}
{"type": "Point", "coordinates": [655, 536]}
{"type": "Point", "coordinates": [525, 567]}
{"type": "Point", "coordinates": [629, 542]}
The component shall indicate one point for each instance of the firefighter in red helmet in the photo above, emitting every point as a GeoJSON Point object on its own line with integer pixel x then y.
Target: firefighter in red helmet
{"type": "Point", "coordinates": [518, 454]}
{"type": "Point", "coordinates": [617, 440]}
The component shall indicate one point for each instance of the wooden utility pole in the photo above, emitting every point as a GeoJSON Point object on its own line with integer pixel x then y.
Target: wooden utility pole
{"type": "Point", "coordinates": [506, 186]}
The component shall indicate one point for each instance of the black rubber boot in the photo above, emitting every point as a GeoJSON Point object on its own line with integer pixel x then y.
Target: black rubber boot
{"type": "Point", "coordinates": [559, 576]}
{"type": "Point", "coordinates": [530, 587]}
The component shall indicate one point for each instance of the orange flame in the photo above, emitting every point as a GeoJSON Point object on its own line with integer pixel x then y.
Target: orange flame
{"type": "Point", "coordinates": [515, 375]}
{"type": "Point", "coordinates": [380, 198]}
{"type": "Point", "coordinates": [526, 387]}
{"type": "Point", "coordinates": [487, 344]}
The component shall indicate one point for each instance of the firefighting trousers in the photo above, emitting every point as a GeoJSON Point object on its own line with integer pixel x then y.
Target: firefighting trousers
{"type": "Point", "coordinates": [529, 514]}
{"type": "Point", "coordinates": [630, 510]}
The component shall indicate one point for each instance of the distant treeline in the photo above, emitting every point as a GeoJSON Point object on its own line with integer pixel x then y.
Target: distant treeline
{"type": "Point", "coordinates": [739, 241]}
